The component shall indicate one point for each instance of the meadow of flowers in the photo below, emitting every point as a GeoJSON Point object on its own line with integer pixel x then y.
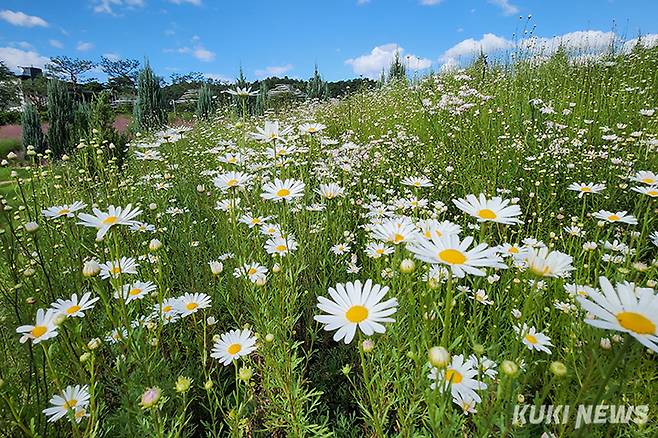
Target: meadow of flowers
{"type": "Point", "coordinates": [414, 260]}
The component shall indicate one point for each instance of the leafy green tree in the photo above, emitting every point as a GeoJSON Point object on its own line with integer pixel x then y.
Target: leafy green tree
{"type": "Point", "coordinates": [149, 112]}
{"type": "Point", "coordinates": [32, 133]}
{"type": "Point", "coordinates": [8, 88]}
{"type": "Point", "coordinates": [60, 115]}
{"type": "Point", "coordinates": [69, 69]}
{"type": "Point", "coordinates": [204, 105]}
{"type": "Point", "coordinates": [121, 73]}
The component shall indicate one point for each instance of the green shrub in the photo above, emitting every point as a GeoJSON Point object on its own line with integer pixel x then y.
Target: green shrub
{"type": "Point", "coordinates": [60, 114]}
{"type": "Point", "coordinates": [149, 113]}
{"type": "Point", "coordinates": [9, 117]}
{"type": "Point", "coordinates": [205, 105]}
{"type": "Point", "coordinates": [32, 134]}
{"type": "Point", "coordinates": [9, 145]}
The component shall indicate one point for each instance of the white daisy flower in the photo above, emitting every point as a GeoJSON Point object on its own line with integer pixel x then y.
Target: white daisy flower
{"type": "Point", "coordinates": [135, 291]}
{"type": "Point", "coordinates": [495, 209]}
{"type": "Point", "coordinates": [233, 345]}
{"type": "Point", "coordinates": [72, 398]}
{"type": "Point", "coordinates": [532, 339]}
{"type": "Point", "coordinates": [450, 251]}
{"type": "Point", "coordinates": [585, 188]}
{"type": "Point", "coordinates": [74, 307]}
{"type": "Point", "coordinates": [67, 210]}
{"type": "Point", "coordinates": [283, 190]}
{"type": "Point", "coordinates": [117, 268]}
{"type": "Point", "coordinates": [620, 216]}
{"type": "Point", "coordinates": [625, 308]}
{"type": "Point", "coordinates": [44, 327]}
{"type": "Point", "coordinates": [191, 303]}
{"type": "Point", "coordinates": [548, 264]}
{"type": "Point", "coordinates": [459, 376]}
{"type": "Point", "coordinates": [356, 305]}
{"type": "Point", "coordinates": [103, 221]}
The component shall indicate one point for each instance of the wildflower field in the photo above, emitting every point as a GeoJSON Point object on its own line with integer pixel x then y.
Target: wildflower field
{"type": "Point", "coordinates": [413, 260]}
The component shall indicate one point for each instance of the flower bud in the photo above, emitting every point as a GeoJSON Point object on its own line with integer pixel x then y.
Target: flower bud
{"type": "Point", "coordinates": [183, 384]}
{"type": "Point", "coordinates": [509, 367]}
{"type": "Point", "coordinates": [216, 267]}
{"type": "Point", "coordinates": [245, 374]}
{"type": "Point", "coordinates": [91, 268]}
{"type": "Point", "coordinates": [407, 266]}
{"type": "Point", "coordinates": [558, 368]}
{"type": "Point", "coordinates": [31, 227]}
{"type": "Point", "coordinates": [269, 337]}
{"type": "Point", "coordinates": [439, 357]}
{"type": "Point", "coordinates": [150, 397]}
{"type": "Point", "coordinates": [367, 345]}
{"type": "Point", "coordinates": [94, 344]}
{"type": "Point", "coordinates": [154, 245]}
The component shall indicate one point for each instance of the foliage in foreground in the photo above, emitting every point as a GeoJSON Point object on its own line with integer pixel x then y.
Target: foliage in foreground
{"type": "Point", "coordinates": [213, 243]}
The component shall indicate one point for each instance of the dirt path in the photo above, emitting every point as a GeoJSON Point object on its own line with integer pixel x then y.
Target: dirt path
{"type": "Point", "coordinates": [16, 131]}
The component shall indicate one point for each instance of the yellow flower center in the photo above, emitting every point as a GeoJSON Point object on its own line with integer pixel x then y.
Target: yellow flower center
{"type": "Point", "coordinates": [252, 271]}
{"type": "Point", "coordinates": [652, 193]}
{"type": "Point", "coordinates": [39, 331]}
{"type": "Point", "coordinates": [513, 250]}
{"type": "Point", "coordinates": [486, 213]}
{"type": "Point", "coordinates": [191, 306]}
{"type": "Point", "coordinates": [71, 310]}
{"type": "Point", "coordinates": [542, 271]}
{"type": "Point", "coordinates": [452, 257]}
{"type": "Point", "coordinates": [79, 413]}
{"type": "Point", "coordinates": [379, 251]}
{"type": "Point", "coordinates": [232, 182]}
{"type": "Point", "coordinates": [397, 238]}
{"type": "Point", "coordinates": [531, 338]}
{"type": "Point", "coordinates": [585, 189]}
{"type": "Point", "coordinates": [356, 314]}
{"type": "Point", "coordinates": [280, 248]}
{"type": "Point", "coordinates": [648, 180]}
{"type": "Point", "coordinates": [453, 376]}
{"type": "Point", "coordinates": [312, 129]}
{"type": "Point", "coordinates": [282, 193]}
{"type": "Point", "coordinates": [234, 349]}
{"type": "Point", "coordinates": [232, 160]}
{"type": "Point", "coordinates": [613, 217]}
{"type": "Point", "coordinates": [135, 291]}
{"type": "Point", "coordinates": [110, 220]}
{"type": "Point", "coordinates": [69, 404]}
{"type": "Point", "coordinates": [636, 323]}
{"type": "Point", "coordinates": [166, 309]}
{"type": "Point", "coordinates": [116, 270]}
{"type": "Point", "coordinates": [64, 211]}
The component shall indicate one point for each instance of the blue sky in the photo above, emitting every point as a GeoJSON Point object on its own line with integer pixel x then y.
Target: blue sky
{"type": "Point", "coordinates": [346, 38]}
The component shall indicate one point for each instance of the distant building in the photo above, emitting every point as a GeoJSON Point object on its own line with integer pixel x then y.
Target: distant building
{"type": "Point", "coordinates": [30, 73]}
{"type": "Point", "coordinates": [285, 91]}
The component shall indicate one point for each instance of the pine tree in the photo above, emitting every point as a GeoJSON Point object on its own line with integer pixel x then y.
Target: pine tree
{"type": "Point", "coordinates": [316, 87]}
{"type": "Point", "coordinates": [204, 106]}
{"type": "Point", "coordinates": [81, 116]}
{"type": "Point", "coordinates": [149, 112]}
{"type": "Point", "coordinates": [32, 134]}
{"type": "Point", "coordinates": [262, 102]}
{"type": "Point", "coordinates": [397, 71]}
{"type": "Point", "coordinates": [60, 115]}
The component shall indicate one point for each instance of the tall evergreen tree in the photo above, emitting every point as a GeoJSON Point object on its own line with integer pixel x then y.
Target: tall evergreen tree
{"type": "Point", "coordinates": [149, 112]}
{"type": "Point", "coordinates": [32, 133]}
{"type": "Point", "coordinates": [397, 71]}
{"type": "Point", "coordinates": [60, 115]}
{"type": "Point", "coordinates": [262, 102]}
{"type": "Point", "coordinates": [204, 106]}
{"type": "Point", "coordinates": [316, 87]}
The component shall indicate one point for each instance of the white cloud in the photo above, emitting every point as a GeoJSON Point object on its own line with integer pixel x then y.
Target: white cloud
{"type": "Point", "coordinates": [192, 2]}
{"type": "Point", "coordinates": [218, 77]}
{"type": "Point", "coordinates": [274, 70]}
{"type": "Point", "coordinates": [112, 56]}
{"type": "Point", "coordinates": [380, 58]}
{"type": "Point", "coordinates": [430, 2]}
{"type": "Point", "coordinates": [14, 58]}
{"type": "Point", "coordinates": [18, 18]}
{"type": "Point", "coordinates": [506, 6]}
{"type": "Point", "coordinates": [108, 6]}
{"type": "Point", "coordinates": [470, 47]}
{"type": "Point", "coordinates": [649, 40]}
{"type": "Point", "coordinates": [56, 43]}
{"type": "Point", "coordinates": [83, 46]}
{"type": "Point", "coordinates": [203, 54]}
{"type": "Point", "coordinates": [582, 40]}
